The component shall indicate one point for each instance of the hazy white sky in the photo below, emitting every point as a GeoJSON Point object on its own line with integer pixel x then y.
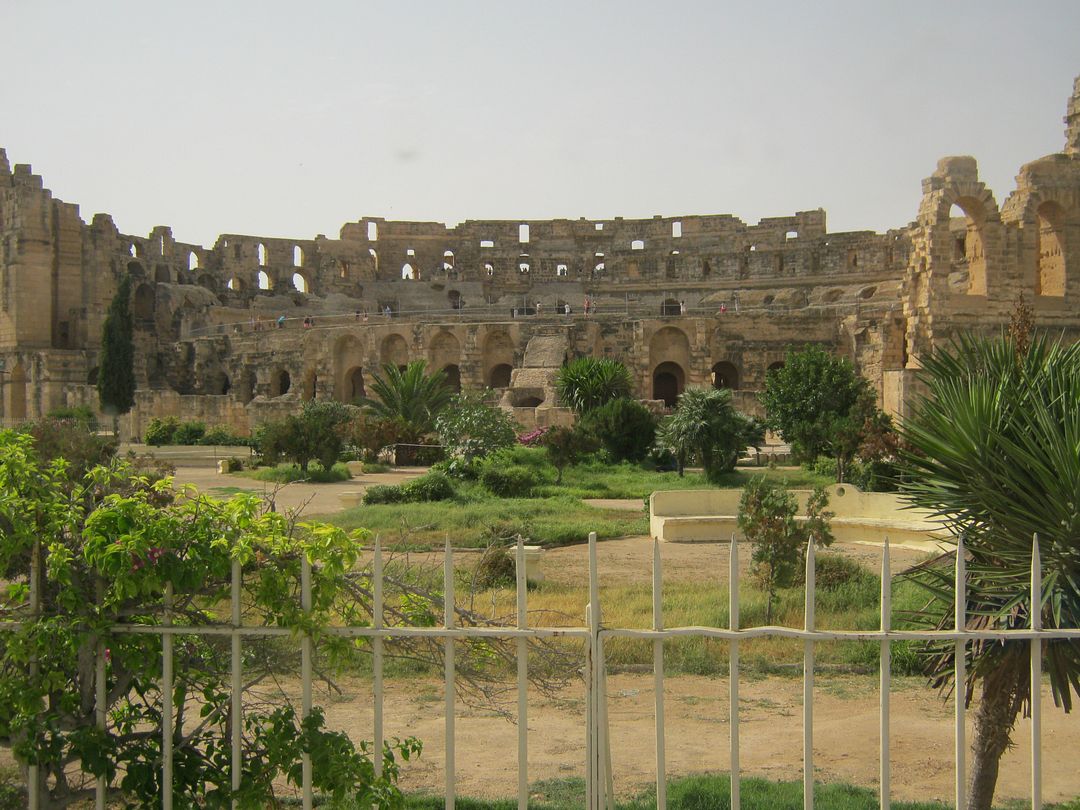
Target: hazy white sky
{"type": "Point", "coordinates": [289, 119]}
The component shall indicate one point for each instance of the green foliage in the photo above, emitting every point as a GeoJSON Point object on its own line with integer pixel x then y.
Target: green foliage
{"type": "Point", "coordinates": [435, 486]}
{"type": "Point", "coordinates": [624, 427]}
{"type": "Point", "coordinates": [80, 414]}
{"type": "Point", "coordinates": [162, 431]}
{"type": "Point", "coordinates": [589, 382]}
{"type": "Point", "coordinates": [994, 449]}
{"type": "Point", "coordinates": [222, 435]}
{"type": "Point", "coordinates": [287, 473]}
{"type": "Point", "coordinates": [509, 481]}
{"type": "Point", "coordinates": [189, 433]}
{"type": "Point", "coordinates": [767, 519]}
{"type": "Point", "coordinates": [108, 550]}
{"type": "Point", "coordinates": [472, 427]}
{"type": "Point", "coordinates": [565, 446]}
{"type": "Point", "coordinates": [80, 449]}
{"type": "Point", "coordinates": [806, 399]}
{"type": "Point", "coordinates": [116, 372]}
{"type": "Point", "coordinates": [496, 569]}
{"type": "Point", "coordinates": [409, 399]}
{"type": "Point", "coordinates": [317, 432]}
{"type": "Point", "coordinates": [706, 426]}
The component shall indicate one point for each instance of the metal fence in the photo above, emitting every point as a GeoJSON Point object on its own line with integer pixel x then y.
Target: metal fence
{"type": "Point", "coordinates": [598, 773]}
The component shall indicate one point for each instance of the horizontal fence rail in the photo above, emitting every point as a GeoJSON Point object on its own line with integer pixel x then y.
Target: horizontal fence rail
{"type": "Point", "coordinates": [594, 635]}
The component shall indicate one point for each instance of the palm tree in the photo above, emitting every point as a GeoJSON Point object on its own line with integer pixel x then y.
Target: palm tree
{"type": "Point", "coordinates": [589, 382]}
{"type": "Point", "coordinates": [995, 451]}
{"type": "Point", "coordinates": [410, 399]}
{"type": "Point", "coordinates": [707, 426]}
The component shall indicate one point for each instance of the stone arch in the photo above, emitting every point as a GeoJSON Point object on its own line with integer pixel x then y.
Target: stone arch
{"type": "Point", "coordinates": [668, 381]}
{"type": "Point", "coordinates": [16, 388]}
{"type": "Point", "coordinates": [453, 376]}
{"type": "Point", "coordinates": [353, 387]}
{"type": "Point", "coordinates": [301, 282]}
{"type": "Point", "coordinates": [408, 273]}
{"type": "Point", "coordinates": [248, 385]}
{"type": "Point", "coordinates": [280, 382]}
{"type": "Point", "coordinates": [394, 351]}
{"type": "Point", "coordinates": [445, 349]}
{"type": "Point", "coordinates": [142, 307]}
{"type": "Point", "coordinates": [217, 383]}
{"type": "Point", "coordinates": [1050, 249]}
{"type": "Point", "coordinates": [348, 357]}
{"type": "Point", "coordinates": [264, 281]}
{"type": "Point", "coordinates": [136, 271]}
{"type": "Point", "coordinates": [498, 358]}
{"type": "Point", "coordinates": [236, 284]}
{"type": "Point", "coordinates": [162, 274]}
{"type": "Point", "coordinates": [969, 243]}
{"type": "Point", "coordinates": [725, 375]}
{"type": "Point", "coordinates": [669, 344]}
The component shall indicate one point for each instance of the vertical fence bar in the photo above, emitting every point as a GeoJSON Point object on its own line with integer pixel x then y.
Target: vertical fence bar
{"type": "Point", "coordinates": [1036, 676]}
{"type": "Point", "coordinates": [808, 682]}
{"type": "Point", "coordinates": [522, 679]}
{"type": "Point", "coordinates": [885, 673]}
{"type": "Point", "coordinates": [377, 655]}
{"type": "Point", "coordinates": [733, 668]}
{"type": "Point", "coordinates": [594, 773]}
{"type": "Point", "coordinates": [236, 704]}
{"type": "Point", "coordinates": [960, 679]}
{"type": "Point", "coordinates": [448, 623]}
{"type": "Point", "coordinates": [167, 704]}
{"type": "Point", "coordinates": [33, 783]}
{"type": "Point", "coordinates": [305, 678]}
{"type": "Point", "coordinates": [658, 675]}
{"type": "Point", "coordinates": [100, 698]}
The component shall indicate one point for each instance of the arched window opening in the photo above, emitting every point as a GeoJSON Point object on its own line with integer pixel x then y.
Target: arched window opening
{"type": "Point", "coordinates": [676, 229]}
{"type": "Point", "coordinates": [489, 269]}
{"type": "Point", "coordinates": [218, 384]}
{"type": "Point", "coordinates": [410, 252]}
{"type": "Point", "coordinates": [791, 235]}
{"type": "Point", "coordinates": [343, 268]}
{"type": "Point", "coordinates": [246, 390]}
{"type": "Point", "coordinates": [374, 259]}
{"type": "Point", "coordinates": [523, 233]}
{"type": "Point", "coordinates": [354, 384]}
{"type": "Point", "coordinates": [448, 260]}
{"type": "Point", "coordinates": [264, 280]}
{"type": "Point", "coordinates": [192, 261]}
{"type": "Point", "coordinates": [280, 383]}
{"type": "Point", "coordinates": [668, 381]}
{"type": "Point", "coordinates": [500, 376]}
{"type": "Point", "coordinates": [297, 256]}
{"type": "Point", "coordinates": [236, 284]}
{"type": "Point", "coordinates": [300, 283]}
{"type": "Point", "coordinates": [725, 375]}
{"type": "Point", "coordinates": [523, 267]}
{"type": "Point", "coordinates": [92, 376]}
{"type": "Point", "coordinates": [262, 255]}
{"type": "Point", "coordinates": [373, 231]}
{"type": "Point", "coordinates": [133, 250]}
{"type": "Point", "coordinates": [143, 306]}
{"type": "Point", "coordinates": [599, 226]}
{"type": "Point", "coordinates": [637, 244]}
{"type": "Point", "coordinates": [453, 377]}
{"type": "Point", "coordinates": [1050, 275]}
{"type": "Point", "coordinates": [487, 243]}
{"type": "Point", "coordinates": [407, 272]}
{"type": "Point", "coordinates": [561, 270]}
{"type": "Point", "coordinates": [965, 225]}
{"type": "Point", "coordinates": [670, 308]}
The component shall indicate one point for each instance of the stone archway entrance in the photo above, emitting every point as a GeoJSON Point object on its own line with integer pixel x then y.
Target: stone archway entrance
{"type": "Point", "coordinates": [668, 382]}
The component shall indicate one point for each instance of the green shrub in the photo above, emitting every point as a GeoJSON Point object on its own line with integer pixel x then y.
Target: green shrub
{"type": "Point", "coordinates": [496, 569]}
{"type": "Point", "coordinates": [189, 433]}
{"type": "Point", "coordinates": [80, 414]}
{"type": "Point", "coordinates": [384, 493]}
{"type": "Point", "coordinates": [833, 571]}
{"type": "Point", "coordinates": [223, 435]}
{"type": "Point", "coordinates": [161, 431]}
{"type": "Point", "coordinates": [435, 486]}
{"type": "Point", "coordinates": [625, 428]}
{"type": "Point", "coordinates": [510, 482]}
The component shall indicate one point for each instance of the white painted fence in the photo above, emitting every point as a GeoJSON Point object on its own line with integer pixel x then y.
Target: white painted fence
{"type": "Point", "coordinates": [599, 787]}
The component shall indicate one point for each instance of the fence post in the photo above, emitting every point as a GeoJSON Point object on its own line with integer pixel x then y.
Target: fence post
{"type": "Point", "coordinates": [658, 677]}
{"type": "Point", "coordinates": [884, 674]}
{"type": "Point", "coordinates": [305, 677]}
{"type": "Point", "coordinates": [377, 655]}
{"type": "Point", "coordinates": [33, 775]}
{"type": "Point", "coordinates": [448, 623]}
{"type": "Point", "coordinates": [1036, 676]}
{"type": "Point", "coordinates": [236, 707]}
{"type": "Point", "coordinates": [733, 668]}
{"type": "Point", "coordinates": [167, 704]}
{"type": "Point", "coordinates": [100, 698]}
{"type": "Point", "coordinates": [522, 678]}
{"type": "Point", "coordinates": [808, 682]}
{"type": "Point", "coordinates": [960, 677]}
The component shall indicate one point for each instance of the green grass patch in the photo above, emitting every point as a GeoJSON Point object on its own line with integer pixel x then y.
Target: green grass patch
{"type": "Point", "coordinates": [290, 473]}
{"type": "Point", "coordinates": [545, 521]}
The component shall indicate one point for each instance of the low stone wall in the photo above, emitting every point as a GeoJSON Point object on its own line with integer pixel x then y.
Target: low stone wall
{"type": "Point", "coordinates": [710, 516]}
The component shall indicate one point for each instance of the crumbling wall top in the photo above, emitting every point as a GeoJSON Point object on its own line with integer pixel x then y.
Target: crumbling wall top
{"type": "Point", "coordinates": [1072, 121]}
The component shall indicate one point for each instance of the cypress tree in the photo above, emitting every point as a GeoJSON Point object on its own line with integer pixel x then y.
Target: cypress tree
{"type": "Point", "coordinates": [116, 374]}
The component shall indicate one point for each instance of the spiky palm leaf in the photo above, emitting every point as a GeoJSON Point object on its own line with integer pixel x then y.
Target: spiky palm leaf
{"type": "Point", "coordinates": [411, 398]}
{"type": "Point", "coordinates": [996, 454]}
{"type": "Point", "coordinates": [589, 382]}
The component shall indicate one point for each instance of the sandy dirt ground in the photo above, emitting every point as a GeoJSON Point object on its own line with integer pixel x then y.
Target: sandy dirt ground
{"type": "Point", "coordinates": [846, 707]}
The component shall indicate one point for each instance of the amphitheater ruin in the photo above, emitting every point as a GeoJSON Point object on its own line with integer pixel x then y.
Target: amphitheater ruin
{"type": "Point", "coordinates": [245, 330]}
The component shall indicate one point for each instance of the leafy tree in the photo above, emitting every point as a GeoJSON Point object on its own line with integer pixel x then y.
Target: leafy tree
{"type": "Point", "coordinates": [589, 382]}
{"type": "Point", "coordinates": [565, 446]}
{"type": "Point", "coordinates": [865, 433]}
{"type": "Point", "coordinates": [106, 551]}
{"type": "Point", "coordinates": [767, 519]}
{"type": "Point", "coordinates": [410, 399]}
{"type": "Point", "coordinates": [993, 449]}
{"type": "Point", "coordinates": [625, 428]}
{"type": "Point", "coordinates": [806, 399]}
{"type": "Point", "coordinates": [706, 426]}
{"type": "Point", "coordinates": [116, 373]}
{"type": "Point", "coordinates": [471, 427]}
{"type": "Point", "coordinates": [317, 432]}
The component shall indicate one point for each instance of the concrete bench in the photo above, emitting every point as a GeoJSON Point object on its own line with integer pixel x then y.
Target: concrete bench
{"type": "Point", "coordinates": [351, 498]}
